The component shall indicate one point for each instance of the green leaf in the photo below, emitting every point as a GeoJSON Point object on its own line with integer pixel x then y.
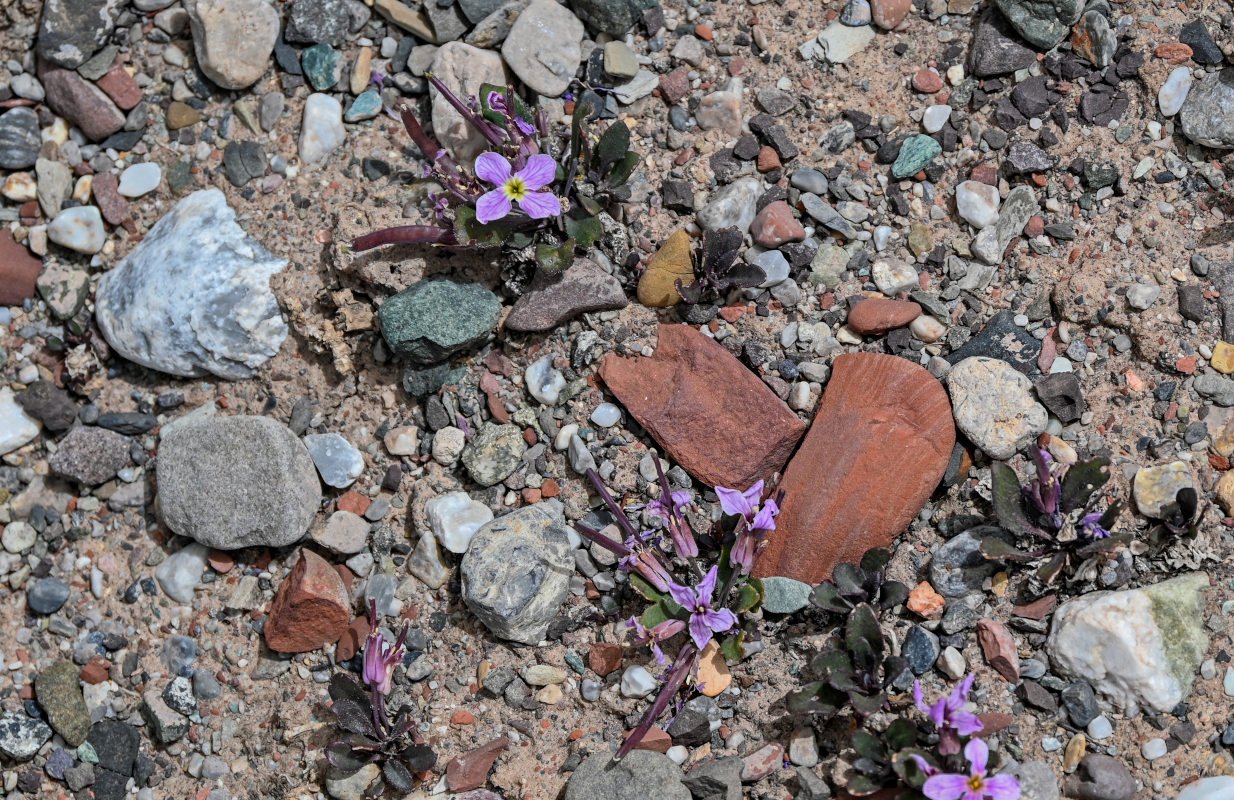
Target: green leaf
{"type": "Point", "coordinates": [908, 769]}
{"type": "Point", "coordinates": [893, 594]}
{"type": "Point", "coordinates": [623, 169]}
{"type": "Point", "coordinates": [867, 705]}
{"type": "Point", "coordinates": [614, 145]}
{"type": "Point", "coordinates": [875, 560]}
{"type": "Point", "coordinates": [827, 597]}
{"type": "Point", "coordinates": [469, 230]}
{"type": "Point", "coordinates": [995, 549]}
{"type": "Point", "coordinates": [584, 108]}
{"type": "Point", "coordinates": [590, 204]}
{"type": "Point", "coordinates": [868, 745]}
{"type": "Point", "coordinates": [848, 578]}
{"type": "Point", "coordinates": [730, 648]}
{"type": "Point", "coordinates": [643, 587]}
{"type": "Point", "coordinates": [1008, 500]}
{"type": "Point", "coordinates": [814, 698]}
{"type": "Point", "coordinates": [1108, 545]}
{"type": "Point", "coordinates": [585, 232]}
{"type": "Point", "coordinates": [1081, 481]}
{"type": "Point", "coordinates": [555, 259]}
{"type": "Point", "coordinates": [901, 734]}
{"type": "Point", "coordinates": [829, 662]}
{"type": "Point", "coordinates": [750, 596]}
{"type": "Point", "coordinates": [862, 785]}
{"type": "Point", "coordinates": [654, 615]}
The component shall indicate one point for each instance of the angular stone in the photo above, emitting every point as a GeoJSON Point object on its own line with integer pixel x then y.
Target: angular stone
{"type": "Point", "coordinates": [464, 69]}
{"type": "Point", "coordinates": [193, 298]}
{"type": "Point", "coordinates": [234, 482]}
{"type": "Point", "coordinates": [999, 649]}
{"type": "Point", "coordinates": [59, 693]}
{"type": "Point", "coordinates": [877, 315]}
{"type": "Point", "coordinates": [233, 39]}
{"type": "Point", "coordinates": [91, 455]}
{"type": "Point", "coordinates": [877, 448]}
{"type": "Point", "coordinates": [1154, 488]}
{"type": "Point", "coordinates": [19, 271]}
{"type": "Point", "coordinates": [19, 138]}
{"type": "Point", "coordinates": [994, 407]}
{"type": "Point", "coordinates": [494, 453]}
{"type": "Point", "coordinates": [1207, 115]}
{"type": "Point", "coordinates": [166, 724]}
{"type": "Point", "coordinates": [1042, 23]}
{"type": "Point", "coordinates": [81, 103]}
{"type": "Point", "coordinates": [72, 30]}
{"type": "Point", "coordinates": [119, 85]}
{"type": "Point", "coordinates": [614, 17]}
{"type": "Point", "coordinates": [775, 225]}
{"type": "Point", "coordinates": [887, 14]}
{"type": "Point", "coordinates": [995, 50]}
{"type": "Point", "coordinates": [553, 299]}
{"type": "Point", "coordinates": [604, 657]}
{"type": "Point", "coordinates": [1138, 647]}
{"type": "Point", "coordinates": [432, 320]}
{"type": "Point", "coordinates": [470, 770]}
{"type": "Point", "coordinates": [544, 47]}
{"type": "Point", "coordinates": [311, 608]}
{"type": "Point", "coordinates": [713, 416]}
{"type": "Point", "coordinates": [49, 404]}
{"type": "Point", "coordinates": [517, 570]}
{"type": "Point", "coordinates": [21, 735]}
{"type": "Point", "coordinates": [657, 287]}
{"type": "Point", "coordinates": [641, 774]}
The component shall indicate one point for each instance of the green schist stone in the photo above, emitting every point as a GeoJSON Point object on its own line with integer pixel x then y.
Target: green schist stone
{"type": "Point", "coordinates": [87, 753]}
{"type": "Point", "coordinates": [432, 320]}
{"type": "Point", "coordinates": [915, 155]}
{"type": "Point", "coordinates": [1044, 23]}
{"type": "Point", "coordinates": [59, 693]}
{"type": "Point", "coordinates": [423, 381]}
{"type": "Point", "coordinates": [180, 176]}
{"type": "Point", "coordinates": [576, 663]}
{"type": "Point", "coordinates": [322, 66]}
{"type": "Point", "coordinates": [1123, 133]}
{"type": "Point", "coordinates": [785, 595]}
{"type": "Point", "coordinates": [1178, 610]}
{"type": "Point", "coordinates": [366, 106]}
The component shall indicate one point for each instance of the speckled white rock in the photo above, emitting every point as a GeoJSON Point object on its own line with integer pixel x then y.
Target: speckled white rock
{"type": "Point", "coordinates": [140, 179]}
{"type": "Point", "coordinates": [338, 462]}
{"type": "Point", "coordinates": [464, 69]}
{"type": "Point", "coordinates": [839, 42]}
{"type": "Point", "coordinates": [1174, 91]}
{"type": "Point", "coordinates": [544, 382]}
{"type": "Point", "coordinates": [233, 39]}
{"type": "Point", "coordinates": [180, 573]}
{"type": "Point", "coordinates": [935, 117]}
{"type": "Point", "coordinates": [79, 229]}
{"type": "Point", "coordinates": [977, 203]}
{"type": "Point", "coordinates": [321, 132]}
{"type": "Point", "coordinates": [1220, 787]}
{"type": "Point", "coordinates": [193, 298]}
{"type": "Point", "coordinates": [993, 404]}
{"type": "Point", "coordinates": [1154, 488]}
{"type": "Point", "coordinates": [1138, 647]}
{"type": "Point", "coordinates": [455, 518]}
{"type": "Point", "coordinates": [891, 277]}
{"type": "Point", "coordinates": [16, 426]}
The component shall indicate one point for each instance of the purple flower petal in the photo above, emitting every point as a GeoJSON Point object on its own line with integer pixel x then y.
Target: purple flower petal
{"type": "Point", "coordinates": [720, 620]}
{"type": "Point", "coordinates": [733, 502]}
{"type": "Point", "coordinates": [523, 125]}
{"type": "Point", "coordinates": [1003, 787]}
{"type": "Point", "coordinates": [754, 494]}
{"type": "Point", "coordinates": [539, 172]}
{"type": "Point", "coordinates": [978, 755]}
{"type": "Point", "coordinates": [707, 586]}
{"type": "Point", "coordinates": [700, 632]}
{"type": "Point", "coordinates": [539, 205]}
{"type": "Point", "coordinates": [946, 787]}
{"type": "Point", "coordinates": [919, 698]}
{"type": "Point", "coordinates": [765, 519]}
{"type": "Point", "coordinates": [493, 168]}
{"type": "Point", "coordinates": [492, 205]}
{"type": "Point", "coordinates": [683, 595]}
{"type": "Point", "coordinates": [966, 724]}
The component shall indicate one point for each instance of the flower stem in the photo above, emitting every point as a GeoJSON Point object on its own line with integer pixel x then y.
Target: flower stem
{"type": "Point", "coordinates": [404, 234]}
{"type": "Point", "coordinates": [687, 660]}
{"type": "Point", "coordinates": [622, 519]}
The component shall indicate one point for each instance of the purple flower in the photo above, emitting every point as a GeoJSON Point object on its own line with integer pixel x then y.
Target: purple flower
{"type": "Point", "coordinates": [738, 503]}
{"type": "Point", "coordinates": [704, 620]}
{"type": "Point", "coordinates": [497, 102]}
{"type": "Point", "coordinates": [659, 633]}
{"type": "Point", "coordinates": [658, 508]}
{"type": "Point", "coordinates": [976, 785]}
{"type": "Point", "coordinates": [1090, 526]}
{"type": "Point", "coordinates": [1046, 491]}
{"type": "Point", "coordinates": [516, 187]}
{"type": "Point", "coordinates": [949, 716]}
{"type": "Point", "coordinates": [380, 657]}
{"type": "Point", "coordinates": [650, 568]}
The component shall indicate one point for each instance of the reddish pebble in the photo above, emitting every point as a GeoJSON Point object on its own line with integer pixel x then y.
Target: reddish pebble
{"type": "Point", "coordinates": [927, 81]}
{"type": "Point", "coordinates": [878, 315]}
{"type": "Point", "coordinates": [96, 671]}
{"type": "Point", "coordinates": [1173, 52]}
{"type": "Point", "coordinates": [732, 313]}
{"type": "Point", "coordinates": [531, 495]}
{"type": "Point", "coordinates": [994, 722]}
{"type": "Point", "coordinates": [761, 762]}
{"type": "Point", "coordinates": [1039, 609]}
{"type": "Point", "coordinates": [1035, 226]}
{"type": "Point", "coordinates": [352, 639]}
{"type": "Point", "coordinates": [604, 658]}
{"type": "Point", "coordinates": [119, 85]}
{"type": "Point", "coordinates": [887, 14]}
{"type": "Point", "coordinates": [353, 501]}
{"type": "Point", "coordinates": [925, 602]}
{"type": "Point", "coordinates": [999, 649]}
{"type": "Point", "coordinates": [462, 717]}
{"type": "Point", "coordinates": [221, 561]}
{"type": "Point", "coordinates": [704, 32]}
{"type": "Point", "coordinates": [19, 271]}
{"type": "Point", "coordinates": [655, 740]}
{"type": "Point", "coordinates": [1185, 365]}
{"type": "Point", "coordinates": [311, 608]}
{"type": "Point", "coordinates": [775, 225]}
{"type": "Point", "coordinates": [767, 159]}
{"type": "Point", "coordinates": [470, 770]}
{"type": "Point", "coordinates": [675, 85]}
{"type": "Point", "coordinates": [736, 66]}
{"type": "Point", "coordinates": [550, 488]}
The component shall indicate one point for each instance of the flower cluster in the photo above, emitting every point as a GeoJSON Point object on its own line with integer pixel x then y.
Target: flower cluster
{"type": "Point", "coordinates": [517, 195]}
{"type": "Point", "coordinates": [688, 596]}
{"type": "Point", "coordinates": [958, 780]}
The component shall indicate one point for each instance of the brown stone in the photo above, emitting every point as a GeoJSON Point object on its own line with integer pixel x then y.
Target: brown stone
{"type": "Point", "coordinates": [119, 85]}
{"type": "Point", "coordinates": [877, 448]}
{"type": "Point", "coordinates": [999, 649]}
{"type": "Point", "coordinates": [352, 640]}
{"type": "Point", "coordinates": [604, 657]}
{"type": "Point", "coordinates": [713, 416]}
{"type": "Point", "coordinates": [762, 762]}
{"type": "Point", "coordinates": [1173, 52]}
{"type": "Point", "coordinates": [470, 770]}
{"type": "Point", "coordinates": [775, 225]}
{"type": "Point", "coordinates": [657, 287]}
{"type": "Point", "coordinates": [181, 115]}
{"type": "Point", "coordinates": [96, 671]}
{"type": "Point", "coordinates": [927, 81]}
{"type": "Point", "coordinates": [1039, 609]}
{"type": "Point", "coordinates": [19, 271]}
{"type": "Point", "coordinates": [995, 721]}
{"type": "Point", "coordinates": [554, 299]}
{"type": "Point", "coordinates": [887, 14]}
{"type": "Point", "coordinates": [878, 315]}
{"type": "Point", "coordinates": [655, 740]}
{"type": "Point", "coordinates": [985, 173]}
{"type": "Point", "coordinates": [768, 159]}
{"type": "Point", "coordinates": [675, 85]}
{"type": "Point", "coordinates": [81, 103]}
{"type": "Point", "coordinates": [107, 195]}
{"type": "Point", "coordinates": [310, 609]}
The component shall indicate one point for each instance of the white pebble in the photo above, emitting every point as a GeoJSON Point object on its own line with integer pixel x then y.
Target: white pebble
{"type": "Point", "coordinates": [322, 130]}
{"type": "Point", "coordinates": [1100, 728]}
{"type": "Point", "coordinates": [678, 754]}
{"type": "Point", "coordinates": [637, 682]}
{"type": "Point", "coordinates": [544, 383]}
{"type": "Point", "coordinates": [455, 518]}
{"type": "Point", "coordinates": [1153, 749]}
{"type": "Point", "coordinates": [935, 117]}
{"type": "Point", "coordinates": [79, 229]}
{"type": "Point", "coordinates": [140, 179]}
{"type": "Point", "coordinates": [1174, 91]}
{"type": "Point", "coordinates": [977, 203]}
{"type": "Point", "coordinates": [606, 415]}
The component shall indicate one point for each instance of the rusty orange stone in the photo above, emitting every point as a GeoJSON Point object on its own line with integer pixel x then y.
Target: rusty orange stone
{"type": "Point", "coordinates": [311, 608]}
{"type": "Point", "coordinates": [877, 448]}
{"type": "Point", "coordinates": [925, 602]}
{"type": "Point", "coordinates": [714, 417]}
{"type": "Point", "coordinates": [878, 315]}
{"type": "Point", "coordinates": [1173, 52]}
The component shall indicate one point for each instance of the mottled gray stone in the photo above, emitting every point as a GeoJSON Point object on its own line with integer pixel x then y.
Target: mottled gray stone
{"type": "Point", "coordinates": [641, 774]}
{"type": "Point", "coordinates": [72, 30]}
{"type": "Point", "coordinates": [1207, 115]}
{"type": "Point", "coordinates": [516, 572]}
{"type": "Point", "coordinates": [193, 298]}
{"type": "Point", "coordinates": [1016, 210]}
{"type": "Point", "coordinates": [21, 736]}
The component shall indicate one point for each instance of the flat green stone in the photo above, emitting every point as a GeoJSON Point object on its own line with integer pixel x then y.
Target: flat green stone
{"type": "Point", "coordinates": [785, 595]}
{"type": "Point", "coordinates": [915, 155]}
{"type": "Point", "coordinates": [322, 65]}
{"type": "Point", "coordinates": [432, 320]}
{"type": "Point", "coordinates": [1178, 610]}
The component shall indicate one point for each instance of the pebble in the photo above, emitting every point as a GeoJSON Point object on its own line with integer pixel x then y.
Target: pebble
{"type": "Point", "coordinates": [916, 153]}
{"type": "Point", "coordinates": [838, 42]}
{"type": "Point", "coordinates": [543, 381]}
{"type": "Point", "coordinates": [494, 453]}
{"type": "Point", "coordinates": [344, 532]}
{"type": "Point", "coordinates": [1217, 787]}
{"type": "Point", "coordinates": [544, 47]}
{"type": "Point", "coordinates": [338, 462]}
{"type": "Point", "coordinates": [140, 179]}
{"type": "Point", "coordinates": [1153, 749]}
{"type": "Point", "coordinates": [1099, 729]}
{"type": "Point", "coordinates": [455, 518]}
{"type": "Point", "coordinates": [637, 682]}
{"type": "Point", "coordinates": [721, 110]}
{"type": "Point", "coordinates": [46, 596]}
{"type": "Point", "coordinates": [402, 441]}
{"type": "Point", "coordinates": [994, 406]}
{"type": "Point", "coordinates": [194, 263]}
{"type": "Point", "coordinates": [432, 320]}
{"type": "Point", "coordinates": [606, 415]}
{"type": "Point", "coordinates": [21, 736]}
{"type": "Point", "coordinates": [17, 428]}
{"type": "Point", "coordinates": [892, 278]}
{"type": "Point", "coordinates": [977, 203]}
{"type": "Point", "coordinates": [19, 138]}
{"type": "Point", "coordinates": [180, 573]}
{"type": "Point", "coordinates": [935, 117]}
{"type": "Point", "coordinates": [321, 131]}
{"type": "Point", "coordinates": [1173, 91]}
{"type": "Point", "coordinates": [1141, 296]}
{"type": "Point", "coordinates": [991, 243]}
{"type": "Point", "coordinates": [785, 595]}
{"type": "Point", "coordinates": [951, 663]}
{"type": "Point", "coordinates": [1207, 114]}
{"type": "Point", "coordinates": [1156, 487]}
{"type": "Point", "coordinates": [734, 205]}
{"type": "Point", "coordinates": [233, 39]}
{"type": "Point", "coordinates": [79, 229]}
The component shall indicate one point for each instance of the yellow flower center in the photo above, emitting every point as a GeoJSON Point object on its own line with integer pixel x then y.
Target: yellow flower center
{"type": "Point", "coordinates": [975, 783]}
{"type": "Point", "coordinates": [514, 188]}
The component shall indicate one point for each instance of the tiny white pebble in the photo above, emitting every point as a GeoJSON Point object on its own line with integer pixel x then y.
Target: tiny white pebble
{"type": "Point", "coordinates": [606, 415]}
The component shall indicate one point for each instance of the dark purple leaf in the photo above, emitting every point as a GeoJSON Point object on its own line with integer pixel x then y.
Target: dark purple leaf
{"type": "Point", "coordinates": [418, 757]}
{"type": "Point", "coordinates": [1081, 481]}
{"type": "Point", "coordinates": [343, 758]}
{"type": "Point", "coordinates": [354, 717]}
{"type": "Point", "coordinates": [398, 775]}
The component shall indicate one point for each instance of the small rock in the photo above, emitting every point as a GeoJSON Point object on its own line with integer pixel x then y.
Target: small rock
{"type": "Point", "coordinates": [1042, 24]}
{"type": "Point", "coordinates": [785, 595]}
{"type": "Point", "coordinates": [21, 736]}
{"type": "Point", "coordinates": [642, 773]}
{"type": "Point", "coordinates": [321, 131]}
{"type": "Point", "coordinates": [455, 518]}
{"type": "Point", "coordinates": [344, 532]}
{"type": "Point", "coordinates": [977, 203]}
{"type": "Point", "coordinates": [1207, 114]}
{"type": "Point", "coordinates": [180, 573]}
{"type": "Point", "coordinates": [993, 405]}
{"type": "Point", "coordinates": [991, 243]}
{"type": "Point", "coordinates": [311, 608]}
{"type": "Point", "coordinates": [79, 229]}
{"type": "Point", "coordinates": [916, 153]}
{"type": "Point", "coordinates": [494, 453]}
{"type": "Point", "coordinates": [91, 455]}
{"type": "Point", "coordinates": [838, 43]}
{"type": "Point", "coordinates": [543, 47]}
{"type": "Point", "coordinates": [17, 428]}
{"type": "Point", "coordinates": [338, 462]}
{"type": "Point", "coordinates": [140, 179]}
{"type": "Point", "coordinates": [1101, 777]}
{"type": "Point", "coordinates": [721, 110]}
{"type": "Point", "coordinates": [1154, 488]}
{"type": "Point", "coordinates": [233, 39]}
{"type": "Point", "coordinates": [464, 69]}
{"type": "Point", "coordinates": [59, 693]}
{"type": "Point", "coordinates": [434, 319]}
{"type": "Point", "coordinates": [732, 206]}
{"type": "Point", "coordinates": [166, 724]}
{"type": "Point", "coordinates": [1174, 91]}
{"type": "Point", "coordinates": [657, 287]}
